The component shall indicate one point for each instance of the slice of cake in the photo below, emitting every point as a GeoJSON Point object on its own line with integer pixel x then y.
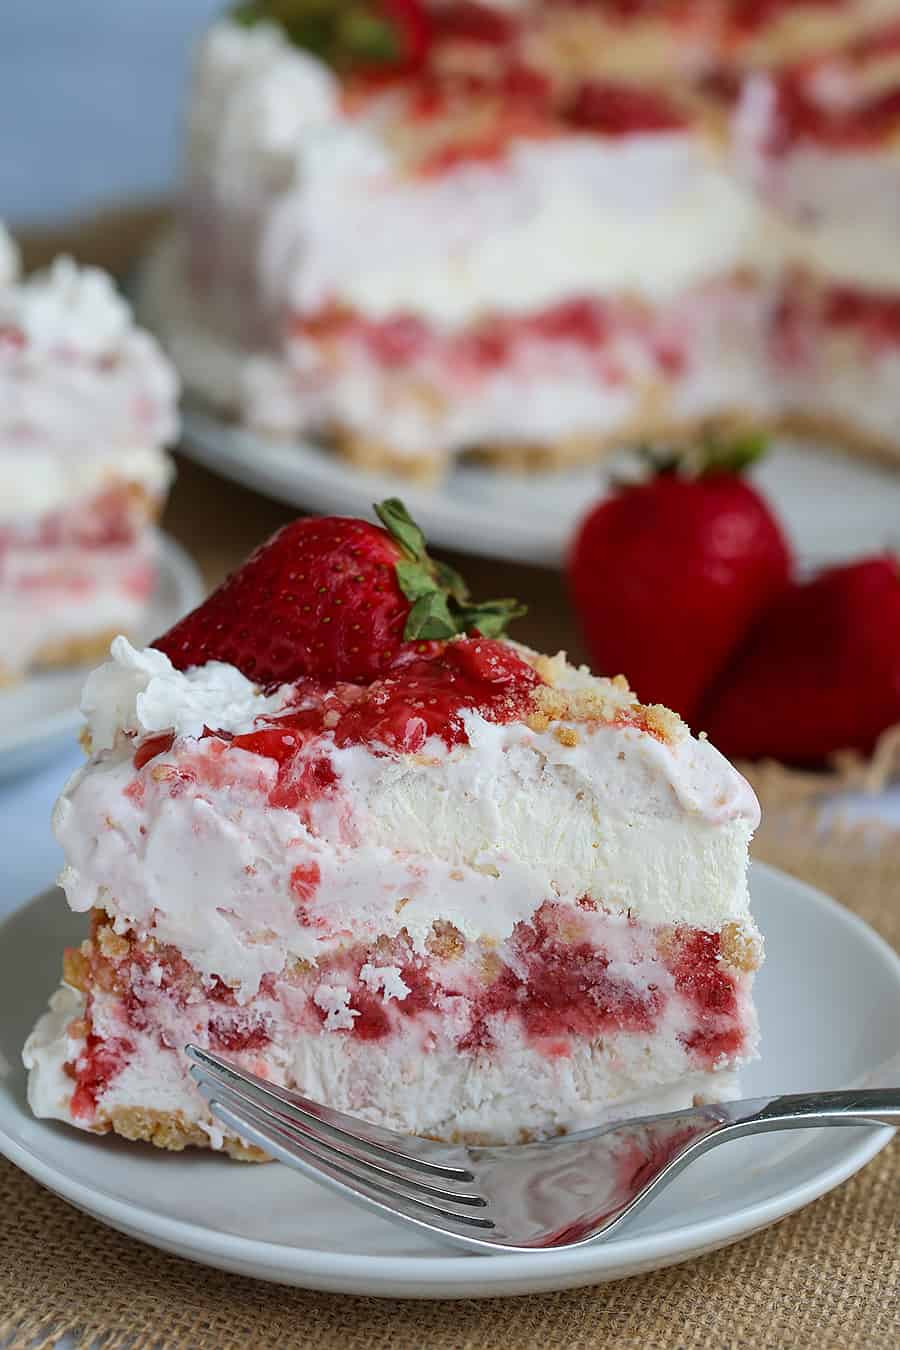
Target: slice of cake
{"type": "Point", "coordinates": [335, 826]}
{"type": "Point", "coordinates": [87, 401]}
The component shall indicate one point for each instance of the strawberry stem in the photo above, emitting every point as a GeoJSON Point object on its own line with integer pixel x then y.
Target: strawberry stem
{"type": "Point", "coordinates": [717, 453]}
{"type": "Point", "coordinates": [439, 595]}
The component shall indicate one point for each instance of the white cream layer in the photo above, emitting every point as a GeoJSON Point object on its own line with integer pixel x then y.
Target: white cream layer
{"type": "Point", "coordinates": [480, 835]}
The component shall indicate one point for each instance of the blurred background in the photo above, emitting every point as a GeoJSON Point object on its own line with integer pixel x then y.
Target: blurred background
{"type": "Point", "coordinates": [112, 77]}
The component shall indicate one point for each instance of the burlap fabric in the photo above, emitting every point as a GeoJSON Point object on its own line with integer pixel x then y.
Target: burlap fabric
{"type": "Point", "coordinates": [827, 1277]}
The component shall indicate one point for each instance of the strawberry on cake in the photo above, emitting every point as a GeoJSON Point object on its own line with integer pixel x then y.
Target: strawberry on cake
{"type": "Point", "coordinates": [336, 826]}
{"type": "Point", "coordinates": [87, 401]}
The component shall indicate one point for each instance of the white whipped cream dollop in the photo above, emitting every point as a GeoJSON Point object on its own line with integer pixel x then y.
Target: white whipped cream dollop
{"type": "Point", "coordinates": [141, 692]}
{"type": "Point", "coordinates": [68, 306]}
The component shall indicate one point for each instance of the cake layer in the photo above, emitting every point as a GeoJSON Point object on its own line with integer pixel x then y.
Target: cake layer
{"type": "Point", "coordinates": [70, 578]}
{"type": "Point", "coordinates": [577, 1016]}
{"type": "Point", "coordinates": [298, 816]}
{"type": "Point", "coordinates": [577, 378]}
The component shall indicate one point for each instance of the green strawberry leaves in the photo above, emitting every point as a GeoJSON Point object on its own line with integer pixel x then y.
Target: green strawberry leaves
{"type": "Point", "coordinates": [440, 599]}
{"type": "Point", "coordinates": [345, 33]}
{"type": "Point", "coordinates": [717, 452]}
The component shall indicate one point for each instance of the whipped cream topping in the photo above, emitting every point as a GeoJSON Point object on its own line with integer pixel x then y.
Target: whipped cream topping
{"type": "Point", "coordinates": [68, 307]}
{"type": "Point", "coordinates": [141, 693]}
{"type": "Point", "coordinates": [9, 257]}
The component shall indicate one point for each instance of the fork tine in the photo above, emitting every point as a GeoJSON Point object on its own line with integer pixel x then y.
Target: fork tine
{"type": "Point", "coordinates": [298, 1152]}
{"type": "Point", "coordinates": [282, 1120]}
{"type": "Point", "coordinates": [345, 1129]}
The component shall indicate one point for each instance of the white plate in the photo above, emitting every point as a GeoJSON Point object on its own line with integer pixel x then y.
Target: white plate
{"type": "Point", "coordinates": [833, 507]}
{"type": "Point", "coordinates": [40, 715]}
{"type": "Point", "coordinates": [829, 1000]}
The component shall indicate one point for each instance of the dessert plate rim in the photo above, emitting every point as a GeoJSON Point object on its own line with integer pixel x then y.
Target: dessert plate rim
{"type": "Point", "coordinates": [428, 1272]}
{"type": "Point", "coordinates": [833, 505]}
{"type": "Point", "coordinates": [38, 738]}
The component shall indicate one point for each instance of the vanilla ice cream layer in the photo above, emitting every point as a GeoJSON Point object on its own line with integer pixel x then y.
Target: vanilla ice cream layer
{"type": "Point", "coordinates": [480, 834]}
{"type": "Point", "coordinates": [441, 1093]}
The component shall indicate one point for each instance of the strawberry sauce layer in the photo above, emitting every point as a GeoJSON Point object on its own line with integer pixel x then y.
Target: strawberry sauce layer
{"type": "Point", "coordinates": [425, 691]}
{"type": "Point", "coordinates": [598, 327]}
{"type": "Point", "coordinates": [806, 317]}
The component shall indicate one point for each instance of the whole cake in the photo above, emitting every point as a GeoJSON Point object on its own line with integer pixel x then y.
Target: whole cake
{"type": "Point", "coordinates": [537, 231]}
{"type": "Point", "coordinates": [87, 403]}
{"type": "Point", "coordinates": [334, 825]}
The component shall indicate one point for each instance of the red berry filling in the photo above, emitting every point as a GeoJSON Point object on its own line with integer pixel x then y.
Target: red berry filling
{"type": "Point", "coordinates": [94, 1069]}
{"type": "Point", "coordinates": [499, 341]}
{"type": "Point", "coordinates": [426, 690]}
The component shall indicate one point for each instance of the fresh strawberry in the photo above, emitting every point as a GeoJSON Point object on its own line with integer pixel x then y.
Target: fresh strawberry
{"type": "Point", "coordinates": [333, 598]}
{"type": "Point", "coordinates": [412, 26]}
{"type": "Point", "coordinates": [387, 36]}
{"type": "Point", "coordinates": [820, 673]}
{"type": "Point", "coordinates": [669, 575]}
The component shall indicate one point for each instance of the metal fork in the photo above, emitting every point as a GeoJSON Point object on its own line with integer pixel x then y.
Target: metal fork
{"type": "Point", "coordinates": [563, 1192]}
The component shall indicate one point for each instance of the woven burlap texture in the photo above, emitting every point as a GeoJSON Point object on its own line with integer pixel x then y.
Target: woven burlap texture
{"type": "Point", "coordinates": [826, 1277]}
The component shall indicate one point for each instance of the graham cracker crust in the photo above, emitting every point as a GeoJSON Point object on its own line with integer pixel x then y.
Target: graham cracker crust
{"type": "Point", "coordinates": [843, 435]}
{"type": "Point", "coordinates": [171, 1130]}
{"type": "Point", "coordinates": [373, 456]}
{"type": "Point", "coordinates": [76, 651]}
{"type": "Point", "coordinates": [536, 457]}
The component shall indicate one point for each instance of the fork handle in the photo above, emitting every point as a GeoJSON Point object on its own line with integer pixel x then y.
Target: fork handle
{"type": "Point", "coordinates": [872, 1106]}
